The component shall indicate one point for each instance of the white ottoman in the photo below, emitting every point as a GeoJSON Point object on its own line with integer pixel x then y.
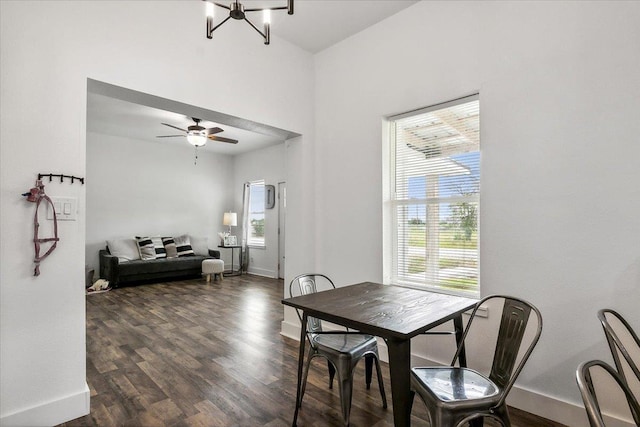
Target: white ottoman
{"type": "Point", "coordinates": [212, 266]}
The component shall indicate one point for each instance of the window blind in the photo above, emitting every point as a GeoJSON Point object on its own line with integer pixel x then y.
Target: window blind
{"type": "Point", "coordinates": [435, 189]}
{"type": "Point", "coordinates": [255, 221]}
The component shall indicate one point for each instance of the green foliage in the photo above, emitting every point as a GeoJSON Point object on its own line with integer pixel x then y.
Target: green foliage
{"type": "Point", "coordinates": [258, 227]}
{"type": "Point", "coordinates": [417, 265]}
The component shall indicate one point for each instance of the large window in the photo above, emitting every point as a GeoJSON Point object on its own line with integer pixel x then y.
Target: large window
{"type": "Point", "coordinates": [255, 220]}
{"type": "Point", "coordinates": [433, 197]}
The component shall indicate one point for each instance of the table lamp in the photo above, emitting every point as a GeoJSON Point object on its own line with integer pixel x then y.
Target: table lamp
{"type": "Point", "coordinates": [230, 219]}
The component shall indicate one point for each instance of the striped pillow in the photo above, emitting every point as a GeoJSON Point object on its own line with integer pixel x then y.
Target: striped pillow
{"type": "Point", "coordinates": [170, 247]}
{"type": "Point", "coordinates": [183, 246]}
{"type": "Point", "coordinates": [151, 247]}
{"type": "Point", "coordinates": [161, 252]}
{"type": "Point", "coordinates": [146, 248]}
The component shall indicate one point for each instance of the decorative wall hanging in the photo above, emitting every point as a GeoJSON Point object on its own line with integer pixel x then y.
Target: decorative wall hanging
{"type": "Point", "coordinates": [37, 195]}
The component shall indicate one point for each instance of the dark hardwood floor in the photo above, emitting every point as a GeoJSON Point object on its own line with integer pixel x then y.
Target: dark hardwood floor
{"type": "Point", "coordinates": [188, 353]}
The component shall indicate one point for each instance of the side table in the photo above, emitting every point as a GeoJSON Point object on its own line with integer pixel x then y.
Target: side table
{"type": "Point", "coordinates": [233, 272]}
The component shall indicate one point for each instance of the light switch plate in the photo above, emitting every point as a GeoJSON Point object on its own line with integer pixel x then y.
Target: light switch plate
{"type": "Point", "coordinates": [66, 208]}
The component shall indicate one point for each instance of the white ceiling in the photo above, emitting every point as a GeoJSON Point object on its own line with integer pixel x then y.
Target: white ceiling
{"type": "Point", "coordinates": [318, 24]}
{"type": "Point", "coordinates": [314, 26]}
{"type": "Point", "coordinates": [113, 116]}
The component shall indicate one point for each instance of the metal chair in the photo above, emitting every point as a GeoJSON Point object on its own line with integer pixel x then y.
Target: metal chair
{"type": "Point", "coordinates": [456, 395]}
{"type": "Point", "coordinates": [342, 349]}
{"type": "Point", "coordinates": [587, 390]}
{"type": "Point", "coordinates": [624, 345]}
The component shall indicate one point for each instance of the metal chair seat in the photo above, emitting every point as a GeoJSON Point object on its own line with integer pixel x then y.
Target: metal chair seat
{"type": "Point", "coordinates": [455, 396]}
{"type": "Point", "coordinates": [354, 344]}
{"type": "Point", "coordinates": [455, 384]}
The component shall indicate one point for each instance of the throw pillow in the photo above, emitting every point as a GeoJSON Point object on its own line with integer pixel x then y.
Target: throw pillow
{"type": "Point", "coordinates": [200, 245]}
{"type": "Point", "coordinates": [158, 246]}
{"type": "Point", "coordinates": [161, 252]}
{"type": "Point", "coordinates": [170, 247]}
{"type": "Point", "coordinates": [124, 249]}
{"type": "Point", "coordinates": [183, 246]}
{"type": "Point", "coordinates": [146, 248]}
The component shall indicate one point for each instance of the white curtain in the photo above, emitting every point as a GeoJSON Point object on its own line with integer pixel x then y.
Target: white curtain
{"type": "Point", "coordinates": [245, 227]}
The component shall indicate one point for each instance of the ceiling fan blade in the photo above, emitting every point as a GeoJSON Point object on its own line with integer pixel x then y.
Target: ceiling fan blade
{"type": "Point", "coordinates": [169, 136]}
{"type": "Point", "coordinates": [175, 127]}
{"type": "Point", "coordinates": [222, 139]}
{"type": "Point", "coordinates": [212, 131]}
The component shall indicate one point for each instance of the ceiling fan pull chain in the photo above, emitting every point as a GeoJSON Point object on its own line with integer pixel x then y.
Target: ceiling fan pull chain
{"type": "Point", "coordinates": [195, 149]}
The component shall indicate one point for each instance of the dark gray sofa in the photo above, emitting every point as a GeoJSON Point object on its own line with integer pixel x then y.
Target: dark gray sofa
{"type": "Point", "coordinates": [117, 272]}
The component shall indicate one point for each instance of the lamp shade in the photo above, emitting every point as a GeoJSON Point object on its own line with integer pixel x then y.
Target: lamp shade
{"type": "Point", "coordinates": [196, 139]}
{"type": "Point", "coordinates": [230, 219]}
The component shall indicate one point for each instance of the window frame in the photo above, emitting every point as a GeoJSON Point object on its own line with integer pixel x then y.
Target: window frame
{"type": "Point", "coordinates": [393, 242]}
{"type": "Point", "coordinates": [252, 241]}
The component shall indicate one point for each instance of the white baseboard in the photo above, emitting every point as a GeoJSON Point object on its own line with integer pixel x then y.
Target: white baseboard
{"type": "Point", "coordinates": [262, 272]}
{"type": "Point", "coordinates": [51, 413]}
{"type": "Point", "coordinates": [536, 403]}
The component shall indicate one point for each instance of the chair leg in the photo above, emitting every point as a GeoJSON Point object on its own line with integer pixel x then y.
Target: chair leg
{"type": "Point", "coordinates": [503, 413]}
{"type": "Point", "coordinates": [381, 383]}
{"type": "Point", "coordinates": [368, 369]}
{"type": "Point", "coordinates": [304, 376]}
{"type": "Point", "coordinates": [346, 390]}
{"type": "Point", "coordinates": [332, 373]}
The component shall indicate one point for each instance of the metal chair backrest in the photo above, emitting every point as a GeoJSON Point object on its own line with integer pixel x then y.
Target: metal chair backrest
{"type": "Point", "coordinates": [624, 345]}
{"type": "Point", "coordinates": [306, 284]}
{"type": "Point", "coordinates": [587, 390]}
{"type": "Point", "coordinates": [516, 316]}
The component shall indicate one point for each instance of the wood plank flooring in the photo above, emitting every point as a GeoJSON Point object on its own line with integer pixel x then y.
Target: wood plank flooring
{"type": "Point", "coordinates": [188, 353]}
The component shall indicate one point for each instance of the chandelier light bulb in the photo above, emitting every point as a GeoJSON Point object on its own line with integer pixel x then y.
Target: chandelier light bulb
{"type": "Point", "coordinates": [267, 16]}
{"type": "Point", "coordinates": [210, 9]}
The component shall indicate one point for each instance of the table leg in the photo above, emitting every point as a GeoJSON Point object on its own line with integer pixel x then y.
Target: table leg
{"type": "Point", "coordinates": [399, 369]}
{"type": "Point", "coordinates": [457, 323]}
{"type": "Point", "coordinates": [303, 338]}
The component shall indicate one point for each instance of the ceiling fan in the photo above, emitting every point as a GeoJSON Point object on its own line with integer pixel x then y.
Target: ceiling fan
{"type": "Point", "coordinates": [197, 135]}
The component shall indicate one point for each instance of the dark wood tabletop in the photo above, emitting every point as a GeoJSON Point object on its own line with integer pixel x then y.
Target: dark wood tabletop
{"type": "Point", "coordinates": [394, 313]}
{"type": "Point", "coordinates": [386, 311]}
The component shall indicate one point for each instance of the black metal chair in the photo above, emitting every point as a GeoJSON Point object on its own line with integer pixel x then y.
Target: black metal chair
{"type": "Point", "coordinates": [587, 390]}
{"type": "Point", "coordinates": [342, 349]}
{"type": "Point", "coordinates": [456, 395]}
{"type": "Point", "coordinates": [624, 345]}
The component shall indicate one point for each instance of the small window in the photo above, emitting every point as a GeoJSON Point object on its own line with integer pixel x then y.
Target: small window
{"type": "Point", "coordinates": [255, 221]}
{"type": "Point", "coordinates": [432, 212]}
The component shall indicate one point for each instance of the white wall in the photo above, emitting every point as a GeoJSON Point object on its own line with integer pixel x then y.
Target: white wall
{"type": "Point", "coordinates": [47, 51]}
{"type": "Point", "coordinates": [137, 188]}
{"type": "Point", "coordinates": [559, 88]}
{"type": "Point", "coordinates": [268, 164]}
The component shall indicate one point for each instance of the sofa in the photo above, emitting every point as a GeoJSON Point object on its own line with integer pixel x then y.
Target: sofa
{"type": "Point", "coordinates": [146, 259]}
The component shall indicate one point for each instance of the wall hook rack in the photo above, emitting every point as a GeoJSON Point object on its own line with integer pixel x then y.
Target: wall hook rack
{"type": "Point", "coordinates": [62, 177]}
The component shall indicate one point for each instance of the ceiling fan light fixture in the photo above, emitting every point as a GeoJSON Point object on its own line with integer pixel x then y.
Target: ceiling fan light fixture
{"type": "Point", "coordinates": [237, 11]}
{"type": "Point", "coordinates": [197, 138]}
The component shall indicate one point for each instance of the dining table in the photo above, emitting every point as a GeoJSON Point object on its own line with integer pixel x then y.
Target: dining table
{"type": "Point", "coordinates": [392, 312]}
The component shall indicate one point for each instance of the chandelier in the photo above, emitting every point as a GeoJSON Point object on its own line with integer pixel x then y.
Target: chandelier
{"type": "Point", "coordinates": [237, 11]}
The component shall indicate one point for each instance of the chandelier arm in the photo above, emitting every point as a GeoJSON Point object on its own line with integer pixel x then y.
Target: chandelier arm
{"type": "Point", "coordinates": [222, 5]}
{"type": "Point", "coordinates": [255, 28]}
{"type": "Point", "coordinates": [211, 30]}
{"type": "Point", "coordinates": [267, 8]}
